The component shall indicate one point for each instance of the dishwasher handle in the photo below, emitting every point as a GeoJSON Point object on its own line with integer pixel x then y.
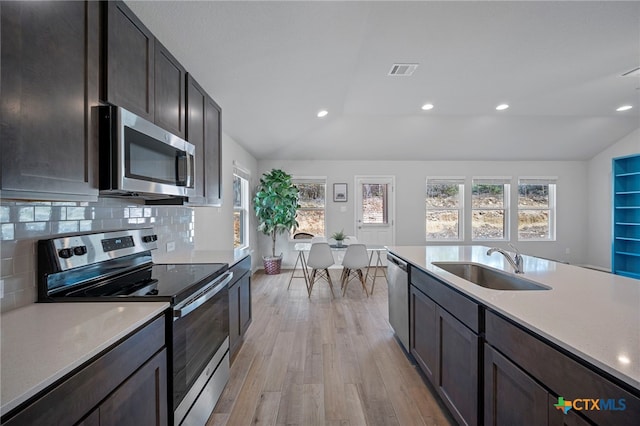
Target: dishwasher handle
{"type": "Point", "coordinates": [397, 261]}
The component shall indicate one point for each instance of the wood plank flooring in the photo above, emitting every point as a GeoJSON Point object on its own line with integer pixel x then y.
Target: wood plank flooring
{"type": "Point", "coordinates": [323, 361]}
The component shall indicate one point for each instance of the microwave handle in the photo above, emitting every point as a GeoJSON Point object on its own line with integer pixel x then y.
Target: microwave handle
{"type": "Point", "coordinates": [185, 180]}
{"type": "Point", "coordinates": [190, 167]}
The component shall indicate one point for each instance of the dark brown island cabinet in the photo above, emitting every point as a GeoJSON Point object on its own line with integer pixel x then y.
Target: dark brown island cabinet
{"type": "Point", "coordinates": [125, 385]}
{"type": "Point", "coordinates": [491, 371]}
{"type": "Point", "coordinates": [444, 340]}
{"type": "Point", "coordinates": [525, 373]}
{"type": "Point", "coordinates": [239, 305]}
{"type": "Point", "coordinates": [49, 79]}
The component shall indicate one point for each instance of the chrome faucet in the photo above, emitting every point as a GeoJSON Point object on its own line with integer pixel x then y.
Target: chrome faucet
{"type": "Point", "coordinates": [515, 261]}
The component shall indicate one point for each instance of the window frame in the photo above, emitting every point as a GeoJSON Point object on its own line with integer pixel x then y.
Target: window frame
{"type": "Point", "coordinates": [313, 180]}
{"type": "Point", "coordinates": [506, 205]}
{"type": "Point", "coordinates": [460, 181]}
{"type": "Point", "coordinates": [552, 183]}
{"type": "Point", "coordinates": [243, 208]}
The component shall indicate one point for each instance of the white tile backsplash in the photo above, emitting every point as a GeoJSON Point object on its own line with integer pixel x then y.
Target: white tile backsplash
{"type": "Point", "coordinates": [24, 223]}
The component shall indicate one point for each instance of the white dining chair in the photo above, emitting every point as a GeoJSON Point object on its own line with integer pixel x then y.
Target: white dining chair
{"type": "Point", "coordinates": [355, 261]}
{"type": "Point", "coordinates": [319, 260]}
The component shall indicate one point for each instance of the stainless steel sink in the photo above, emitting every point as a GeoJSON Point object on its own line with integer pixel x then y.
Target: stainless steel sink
{"type": "Point", "coordinates": [488, 277]}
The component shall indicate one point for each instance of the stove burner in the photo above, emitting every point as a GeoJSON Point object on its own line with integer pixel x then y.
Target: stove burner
{"type": "Point", "coordinates": [118, 272]}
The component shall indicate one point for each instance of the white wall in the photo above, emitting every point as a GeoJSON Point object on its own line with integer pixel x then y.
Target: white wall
{"type": "Point", "coordinates": [600, 199]}
{"type": "Point", "coordinates": [410, 192]}
{"type": "Point", "coordinates": [214, 225]}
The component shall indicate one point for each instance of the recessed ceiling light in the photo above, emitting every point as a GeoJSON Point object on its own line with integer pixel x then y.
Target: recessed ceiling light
{"type": "Point", "coordinates": [624, 108]}
{"type": "Point", "coordinates": [427, 107]}
{"type": "Point", "coordinates": [322, 113]}
{"type": "Point", "coordinates": [502, 107]}
{"type": "Point", "coordinates": [624, 359]}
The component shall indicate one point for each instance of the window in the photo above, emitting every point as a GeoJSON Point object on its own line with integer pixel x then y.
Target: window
{"type": "Point", "coordinates": [490, 209]}
{"type": "Point", "coordinates": [312, 202]}
{"type": "Point", "coordinates": [444, 202]}
{"type": "Point", "coordinates": [374, 204]}
{"type": "Point", "coordinates": [240, 211]}
{"type": "Point", "coordinates": [536, 209]}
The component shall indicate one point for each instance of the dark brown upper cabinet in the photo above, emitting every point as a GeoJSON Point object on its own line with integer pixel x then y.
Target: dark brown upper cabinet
{"type": "Point", "coordinates": [141, 75]}
{"type": "Point", "coordinates": [169, 92]}
{"type": "Point", "coordinates": [204, 131]}
{"type": "Point", "coordinates": [129, 61]}
{"type": "Point", "coordinates": [49, 79]}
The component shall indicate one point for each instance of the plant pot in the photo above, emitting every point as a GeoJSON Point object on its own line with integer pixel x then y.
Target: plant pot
{"type": "Point", "coordinates": [272, 264]}
{"type": "Point", "coordinates": [339, 243]}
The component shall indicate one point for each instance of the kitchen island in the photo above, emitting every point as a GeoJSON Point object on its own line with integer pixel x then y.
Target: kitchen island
{"type": "Point", "coordinates": [590, 318]}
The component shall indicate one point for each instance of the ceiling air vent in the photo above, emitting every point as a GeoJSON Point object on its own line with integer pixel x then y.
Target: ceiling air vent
{"type": "Point", "coordinates": [402, 70]}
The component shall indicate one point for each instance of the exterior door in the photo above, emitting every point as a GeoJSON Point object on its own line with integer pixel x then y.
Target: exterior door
{"type": "Point", "coordinates": [375, 212]}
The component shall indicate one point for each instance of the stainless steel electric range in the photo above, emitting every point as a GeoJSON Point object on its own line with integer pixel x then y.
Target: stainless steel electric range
{"type": "Point", "coordinates": [117, 266]}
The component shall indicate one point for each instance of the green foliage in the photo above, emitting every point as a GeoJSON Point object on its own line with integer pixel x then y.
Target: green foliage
{"type": "Point", "coordinates": [339, 236]}
{"type": "Point", "coordinates": [276, 205]}
{"type": "Point", "coordinates": [488, 189]}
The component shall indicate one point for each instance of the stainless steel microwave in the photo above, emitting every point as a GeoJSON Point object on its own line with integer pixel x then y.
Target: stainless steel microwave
{"type": "Point", "coordinates": [140, 159]}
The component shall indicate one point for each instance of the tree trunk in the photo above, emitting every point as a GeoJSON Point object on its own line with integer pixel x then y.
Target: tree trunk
{"type": "Point", "coordinates": [273, 243]}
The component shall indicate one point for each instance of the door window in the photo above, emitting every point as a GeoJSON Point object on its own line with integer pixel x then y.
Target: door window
{"type": "Point", "coordinates": [375, 204]}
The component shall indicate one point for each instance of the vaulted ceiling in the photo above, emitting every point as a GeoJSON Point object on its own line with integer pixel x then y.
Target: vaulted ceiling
{"type": "Point", "coordinates": [273, 65]}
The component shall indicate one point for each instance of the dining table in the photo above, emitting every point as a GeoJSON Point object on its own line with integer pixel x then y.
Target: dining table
{"type": "Point", "coordinates": [374, 250]}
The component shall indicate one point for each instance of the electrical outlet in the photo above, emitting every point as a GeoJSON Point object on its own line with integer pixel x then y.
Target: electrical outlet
{"type": "Point", "coordinates": [171, 246]}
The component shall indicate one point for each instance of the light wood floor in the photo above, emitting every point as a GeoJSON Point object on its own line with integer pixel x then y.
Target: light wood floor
{"type": "Point", "coordinates": [320, 361]}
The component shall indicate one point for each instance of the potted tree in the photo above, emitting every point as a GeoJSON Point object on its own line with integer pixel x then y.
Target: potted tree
{"type": "Point", "coordinates": [276, 206]}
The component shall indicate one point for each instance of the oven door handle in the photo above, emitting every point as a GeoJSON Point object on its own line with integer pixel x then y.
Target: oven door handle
{"type": "Point", "coordinates": [209, 291]}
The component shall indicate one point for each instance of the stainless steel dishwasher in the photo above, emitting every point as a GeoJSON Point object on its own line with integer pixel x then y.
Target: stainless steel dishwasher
{"type": "Point", "coordinates": [397, 275]}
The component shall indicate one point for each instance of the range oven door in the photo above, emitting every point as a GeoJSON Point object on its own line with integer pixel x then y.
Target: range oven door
{"type": "Point", "coordinates": [200, 345]}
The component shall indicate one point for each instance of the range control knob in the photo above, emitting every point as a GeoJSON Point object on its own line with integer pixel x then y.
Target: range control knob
{"type": "Point", "coordinates": [80, 250]}
{"type": "Point", "coordinates": [65, 253]}
{"type": "Point", "coordinates": [150, 238]}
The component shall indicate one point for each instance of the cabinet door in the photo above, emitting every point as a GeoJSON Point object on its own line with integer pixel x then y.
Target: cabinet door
{"type": "Point", "coordinates": [203, 131]}
{"type": "Point", "coordinates": [130, 61]}
{"type": "Point", "coordinates": [510, 395]}
{"type": "Point", "coordinates": [49, 80]}
{"type": "Point", "coordinates": [142, 399]}
{"type": "Point", "coordinates": [422, 329]}
{"type": "Point", "coordinates": [169, 91]}
{"type": "Point", "coordinates": [213, 152]}
{"type": "Point", "coordinates": [235, 333]}
{"type": "Point", "coordinates": [245, 303]}
{"type": "Point", "coordinates": [93, 419]}
{"type": "Point", "coordinates": [457, 367]}
{"type": "Point", "coordinates": [196, 100]}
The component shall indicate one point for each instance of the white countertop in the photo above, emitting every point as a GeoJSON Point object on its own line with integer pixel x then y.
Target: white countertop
{"type": "Point", "coordinates": [43, 342]}
{"type": "Point", "coordinates": [201, 256]}
{"type": "Point", "coordinates": [592, 314]}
